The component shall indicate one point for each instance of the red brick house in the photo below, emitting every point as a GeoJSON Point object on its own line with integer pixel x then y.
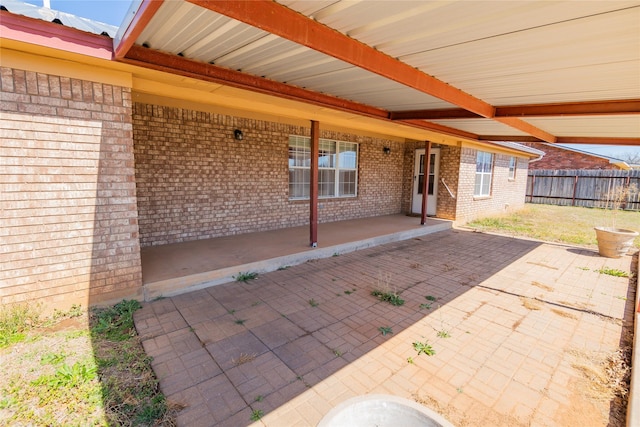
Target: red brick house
{"type": "Point", "coordinates": [559, 157]}
{"type": "Point", "coordinates": [104, 153]}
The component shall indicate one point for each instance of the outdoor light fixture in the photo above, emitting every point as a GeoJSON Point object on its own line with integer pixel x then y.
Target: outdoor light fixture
{"type": "Point", "coordinates": [386, 150]}
{"type": "Point", "coordinates": [237, 134]}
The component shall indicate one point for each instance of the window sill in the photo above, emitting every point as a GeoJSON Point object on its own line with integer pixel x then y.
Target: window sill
{"type": "Point", "coordinates": [512, 179]}
{"type": "Point", "coordinates": [481, 197]}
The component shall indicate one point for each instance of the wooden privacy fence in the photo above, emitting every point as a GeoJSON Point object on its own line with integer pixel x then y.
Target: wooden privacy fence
{"type": "Point", "coordinates": [589, 188]}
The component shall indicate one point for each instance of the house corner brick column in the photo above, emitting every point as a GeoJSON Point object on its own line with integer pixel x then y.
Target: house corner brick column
{"type": "Point", "coordinates": [67, 192]}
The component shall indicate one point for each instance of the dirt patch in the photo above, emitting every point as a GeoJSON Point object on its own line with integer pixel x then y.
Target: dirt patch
{"type": "Point", "coordinates": [564, 314]}
{"type": "Point", "coordinates": [542, 286]}
{"type": "Point", "coordinates": [531, 304]}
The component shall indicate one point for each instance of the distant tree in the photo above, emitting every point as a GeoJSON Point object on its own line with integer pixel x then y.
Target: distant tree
{"type": "Point", "coordinates": [631, 157]}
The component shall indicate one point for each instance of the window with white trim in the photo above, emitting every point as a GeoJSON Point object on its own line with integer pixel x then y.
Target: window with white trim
{"type": "Point", "coordinates": [337, 168]}
{"type": "Point", "coordinates": [484, 170]}
{"type": "Point", "coordinates": [512, 167]}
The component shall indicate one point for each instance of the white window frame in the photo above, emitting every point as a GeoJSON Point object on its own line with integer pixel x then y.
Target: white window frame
{"type": "Point", "coordinates": [329, 163]}
{"type": "Point", "coordinates": [484, 174]}
{"type": "Point", "coordinates": [513, 166]}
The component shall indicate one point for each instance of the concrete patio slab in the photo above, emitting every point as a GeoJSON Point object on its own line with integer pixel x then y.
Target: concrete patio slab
{"type": "Point", "coordinates": [514, 324]}
{"type": "Point", "coordinates": [172, 269]}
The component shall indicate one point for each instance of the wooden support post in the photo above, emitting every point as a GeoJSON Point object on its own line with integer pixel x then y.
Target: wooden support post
{"type": "Point", "coordinates": [425, 181]}
{"type": "Point", "coordinates": [313, 184]}
{"type": "Point", "coordinates": [575, 188]}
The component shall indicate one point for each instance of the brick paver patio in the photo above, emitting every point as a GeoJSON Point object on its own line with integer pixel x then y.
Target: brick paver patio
{"type": "Point", "coordinates": [512, 323]}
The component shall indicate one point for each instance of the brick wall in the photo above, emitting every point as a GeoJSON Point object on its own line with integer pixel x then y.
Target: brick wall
{"type": "Point", "coordinates": [506, 195]}
{"type": "Point", "coordinates": [195, 181]}
{"type": "Point", "coordinates": [449, 172]}
{"type": "Point", "coordinates": [69, 225]}
{"type": "Point", "coordinates": [558, 158]}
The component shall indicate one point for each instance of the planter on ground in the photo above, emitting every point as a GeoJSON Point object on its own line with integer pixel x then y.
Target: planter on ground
{"type": "Point", "coordinates": [614, 242]}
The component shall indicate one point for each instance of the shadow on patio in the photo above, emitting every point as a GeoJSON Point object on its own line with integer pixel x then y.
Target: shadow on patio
{"type": "Point", "coordinates": [291, 344]}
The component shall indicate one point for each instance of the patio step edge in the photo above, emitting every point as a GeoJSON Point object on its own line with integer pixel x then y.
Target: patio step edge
{"type": "Point", "coordinates": [194, 282]}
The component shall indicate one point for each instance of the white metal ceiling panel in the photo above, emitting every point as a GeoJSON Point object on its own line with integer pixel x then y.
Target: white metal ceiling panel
{"type": "Point", "coordinates": [480, 126]}
{"type": "Point", "coordinates": [597, 58]}
{"type": "Point", "coordinates": [600, 126]}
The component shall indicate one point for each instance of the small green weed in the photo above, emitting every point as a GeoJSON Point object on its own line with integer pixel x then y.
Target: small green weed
{"type": "Point", "coordinates": [257, 414]}
{"type": "Point", "coordinates": [443, 334]}
{"type": "Point", "coordinates": [240, 321]}
{"type": "Point", "coordinates": [259, 398]}
{"type": "Point", "coordinates": [335, 254]}
{"type": "Point", "coordinates": [52, 358]}
{"type": "Point", "coordinates": [410, 360]}
{"type": "Point", "coordinates": [245, 277]}
{"type": "Point", "coordinates": [423, 347]}
{"type": "Point", "coordinates": [284, 267]}
{"type": "Point", "coordinates": [231, 311]}
{"type": "Point", "coordinates": [337, 352]}
{"type": "Point", "coordinates": [391, 298]}
{"type": "Point", "coordinates": [68, 376]}
{"type": "Point", "coordinates": [613, 272]}
{"type": "Point", "coordinates": [384, 330]}
{"type": "Point", "coordinates": [425, 306]}
{"type": "Point", "coordinates": [583, 268]}
{"type": "Point", "coordinates": [74, 311]}
{"type": "Point", "coordinates": [313, 303]}
{"type": "Point", "coordinates": [431, 298]}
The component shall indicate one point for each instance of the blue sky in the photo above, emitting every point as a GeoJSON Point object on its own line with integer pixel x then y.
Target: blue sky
{"type": "Point", "coordinates": [107, 11]}
{"type": "Point", "coordinates": [113, 12]}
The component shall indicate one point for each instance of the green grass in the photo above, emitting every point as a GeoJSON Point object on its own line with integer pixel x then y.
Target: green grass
{"type": "Point", "coordinates": [562, 224]}
{"type": "Point", "coordinates": [93, 371]}
{"type": "Point", "coordinates": [15, 321]}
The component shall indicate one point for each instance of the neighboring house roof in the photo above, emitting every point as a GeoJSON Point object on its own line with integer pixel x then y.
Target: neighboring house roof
{"type": "Point", "coordinates": [50, 15]}
{"type": "Point", "coordinates": [621, 164]}
{"type": "Point", "coordinates": [518, 71]}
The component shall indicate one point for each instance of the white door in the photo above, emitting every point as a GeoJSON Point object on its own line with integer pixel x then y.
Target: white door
{"type": "Point", "coordinates": [418, 180]}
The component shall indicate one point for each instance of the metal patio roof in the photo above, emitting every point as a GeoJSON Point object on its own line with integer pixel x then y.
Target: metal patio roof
{"type": "Point", "coordinates": [560, 71]}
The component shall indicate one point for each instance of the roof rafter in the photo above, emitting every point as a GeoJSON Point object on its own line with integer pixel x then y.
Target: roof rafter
{"type": "Point", "coordinates": [564, 139]}
{"type": "Point", "coordinates": [127, 35]}
{"type": "Point", "coordinates": [161, 61]}
{"type": "Point", "coordinates": [276, 19]}
{"type": "Point", "coordinates": [589, 108]}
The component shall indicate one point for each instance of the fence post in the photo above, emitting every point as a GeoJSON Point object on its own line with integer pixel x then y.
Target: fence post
{"type": "Point", "coordinates": [575, 188]}
{"type": "Point", "coordinates": [533, 185]}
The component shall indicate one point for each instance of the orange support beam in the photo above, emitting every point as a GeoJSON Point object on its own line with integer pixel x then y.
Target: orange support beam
{"type": "Point", "coordinates": [425, 182]}
{"type": "Point", "coordinates": [125, 40]}
{"type": "Point", "coordinates": [313, 184]}
{"type": "Point", "coordinates": [276, 19]}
